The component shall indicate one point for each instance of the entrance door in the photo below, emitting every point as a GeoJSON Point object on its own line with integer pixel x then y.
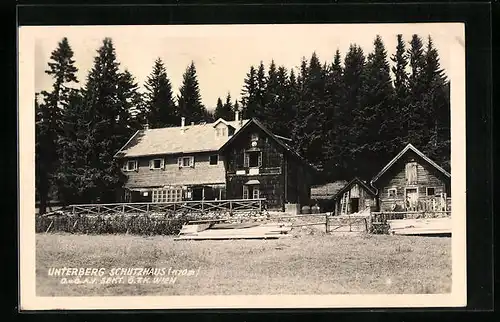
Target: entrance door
{"type": "Point", "coordinates": [354, 205]}
{"type": "Point", "coordinates": [411, 199]}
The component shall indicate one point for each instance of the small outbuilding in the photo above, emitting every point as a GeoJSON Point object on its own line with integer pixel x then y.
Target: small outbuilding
{"type": "Point", "coordinates": [354, 197]}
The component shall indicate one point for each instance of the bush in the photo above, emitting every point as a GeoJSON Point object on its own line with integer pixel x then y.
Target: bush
{"type": "Point", "coordinates": [112, 224]}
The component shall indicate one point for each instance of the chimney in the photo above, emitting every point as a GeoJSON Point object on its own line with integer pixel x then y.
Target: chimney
{"type": "Point", "coordinates": [183, 122]}
{"type": "Point", "coordinates": [236, 115]}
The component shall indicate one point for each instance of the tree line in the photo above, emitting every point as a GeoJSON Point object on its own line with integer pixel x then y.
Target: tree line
{"type": "Point", "coordinates": [348, 116]}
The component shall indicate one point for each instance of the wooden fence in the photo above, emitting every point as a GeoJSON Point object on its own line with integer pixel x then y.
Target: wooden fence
{"type": "Point", "coordinates": [251, 206]}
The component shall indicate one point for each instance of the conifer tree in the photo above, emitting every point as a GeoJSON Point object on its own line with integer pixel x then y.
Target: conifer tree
{"type": "Point", "coordinates": [72, 164]}
{"type": "Point", "coordinates": [401, 93]}
{"type": "Point", "coordinates": [48, 126]}
{"type": "Point", "coordinates": [189, 98]}
{"type": "Point", "coordinates": [374, 117]}
{"type": "Point", "coordinates": [260, 98]}
{"type": "Point", "coordinates": [437, 102]}
{"type": "Point", "coordinates": [160, 106]}
{"type": "Point", "coordinates": [224, 110]}
{"type": "Point", "coordinates": [311, 111]}
{"type": "Point", "coordinates": [106, 126]}
{"type": "Point", "coordinates": [249, 94]}
{"type": "Point", "coordinates": [333, 98]}
{"type": "Point", "coordinates": [415, 114]}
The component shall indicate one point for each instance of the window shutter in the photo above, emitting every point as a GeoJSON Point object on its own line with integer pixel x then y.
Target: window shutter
{"type": "Point", "coordinates": [246, 160]}
{"type": "Point", "coordinates": [162, 164]}
{"type": "Point", "coordinates": [245, 192]}
{"type": "Point", "coordinates": [124, 165]}
{"type": "Point", "coordinates": [192, 162]}
{"type": "Point", "coordinates": [151, 164]}
{"type": "Point", "coordinates": [260, 159]}
{"type": "Point", "coordinates": [179, 162]}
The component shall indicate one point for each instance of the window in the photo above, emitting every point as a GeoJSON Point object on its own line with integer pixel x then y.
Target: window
{"type": "Point", "coordinates": [254, 137]}
{"type": "Point", "coordinates": [130, 165]}
{"type": "Point", "coordinates": [214, 159]}
{"type": "Point", "coordinates": [245, 192]}
{"type": "Point", "coordinates": [185, 162]}
{"type": "Point", "coordinates": [256, 193]}
{"type": "Point", "coordinates": [167, 195]}
{"type": "Point", "coordinates": [253, 159]}
{"type": "Point", "coordinates": [221, 131]}
{"type": "Point", "coordinates": [392, 192]}
{"type": "Point", "coordinates": [156, 164]}
{"type": "Point", "coordinates": [431, 192]}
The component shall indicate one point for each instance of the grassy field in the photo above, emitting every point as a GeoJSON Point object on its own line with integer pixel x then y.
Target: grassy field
{"type": "Point", "coordinates": [305, 263]}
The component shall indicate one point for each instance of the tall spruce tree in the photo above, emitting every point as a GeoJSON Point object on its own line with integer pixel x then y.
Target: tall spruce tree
{"type": "Point", "coordinates": [416, 112]}
{"type": "Point", "coordinates": [189, 98]}
{"type": "Point", "coordinates": [401, 93]}
{"type": "Point", "coordinates": [72, 164]}
{"type": "Point", "coordinates": [261, 89]}
{"type": "Point", "coordinates": [333, 98]}
{"type": "Point", "coordinates": [269, 114]}
{"type": "Point", "coordinates": [374, 117]}
{"type": "Point", "coordinates": [160, 106]}
{"type": "Point", "coordinates": [311, 113]}
{"type": "Point", "coordinates": [437, 102]}
{"type": "Point", "coordinates": [105, 126]}
{"type": "Point", "coordinates": [249, 94]}
{"type": "Point", "coordinates": [48, 126]}
{"type": "Point", "coordinates": [348, 133]}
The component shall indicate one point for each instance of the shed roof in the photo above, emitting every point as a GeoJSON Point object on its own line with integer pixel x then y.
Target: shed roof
{"type": "Point", "coordinates": [328, 190]}
{"type": "Point", "coordinates": [176, 140]}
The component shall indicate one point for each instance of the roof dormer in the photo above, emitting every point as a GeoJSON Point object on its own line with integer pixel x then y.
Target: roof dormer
{"type": "Point", "coordinates": [223, 129]}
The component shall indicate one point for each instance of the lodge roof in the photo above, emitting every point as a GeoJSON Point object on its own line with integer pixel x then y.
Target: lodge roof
{"type": "Point", "coordinates": [410, 147]}
{"type": "Point", "coordinates": [177, 140]}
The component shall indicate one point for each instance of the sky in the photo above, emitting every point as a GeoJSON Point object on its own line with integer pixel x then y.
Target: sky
{"type": "Point", "coordinates": [223, 54]}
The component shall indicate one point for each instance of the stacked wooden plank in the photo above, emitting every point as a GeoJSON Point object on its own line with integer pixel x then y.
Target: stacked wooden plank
{"type": "Point", "coordinates": [427, 226]}
{"type": "Point", "coordinates": [210, 231]}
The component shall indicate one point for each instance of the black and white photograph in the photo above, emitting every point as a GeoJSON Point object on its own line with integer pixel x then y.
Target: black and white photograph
{"type": "Point", "coordinates": [242, 166]}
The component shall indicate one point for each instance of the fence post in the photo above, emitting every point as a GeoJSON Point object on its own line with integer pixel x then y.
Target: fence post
{"type": "Point", "coordinates": [147, 208]}
{"type": "Point", "coordinates": [73, 211]}
{"type": "Point", "coordinates": [326, 222]}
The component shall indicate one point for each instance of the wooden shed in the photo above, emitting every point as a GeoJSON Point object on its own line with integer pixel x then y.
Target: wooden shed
{"type": "Point", "coordinates": [412, 182]}
{"type": "Point", "coordinates": [354, 197]}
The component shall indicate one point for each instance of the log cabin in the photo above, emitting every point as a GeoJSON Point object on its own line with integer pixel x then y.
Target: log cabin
{"type": "Point", "coordinates": [260, 164]}
{"type": "Point", "coordinates": [354, 197]}
{"type": "Point", "coordinates": [412, 182]}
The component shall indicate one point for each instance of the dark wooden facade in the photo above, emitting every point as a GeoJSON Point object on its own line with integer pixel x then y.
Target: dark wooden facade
{"type": "Point", "coordinates": [260, 165]}
{"type": "Point", "coordinates": [412, 182]}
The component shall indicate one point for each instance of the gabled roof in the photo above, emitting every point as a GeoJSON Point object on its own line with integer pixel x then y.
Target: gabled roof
{"type": "Point", "coordinates": [176, 140]}
{"type": "Point", "coordinates": [410, 147]}
{"type": "Point", "coordinates": [279, 141]}
{"type": "Point", "coordinates": [350, 184]}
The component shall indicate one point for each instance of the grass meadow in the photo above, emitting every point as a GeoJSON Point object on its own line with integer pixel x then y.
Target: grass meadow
{"type": "Point", "coordinates": [303, 263]}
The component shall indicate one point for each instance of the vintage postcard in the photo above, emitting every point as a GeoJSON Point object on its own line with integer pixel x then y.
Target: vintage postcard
{"type": "Point", "coordinates": [242, 166]}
